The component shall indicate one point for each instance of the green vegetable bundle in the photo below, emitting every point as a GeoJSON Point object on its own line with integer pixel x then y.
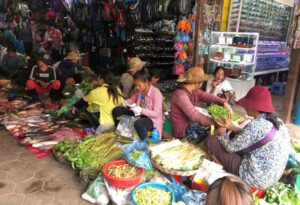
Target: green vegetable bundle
{"type": "Point", "coordinates": [217, 111]}
{"type": "Point", "coordinates": [92, 154]}
{"type": "Point", "coordinates": [282, 194]}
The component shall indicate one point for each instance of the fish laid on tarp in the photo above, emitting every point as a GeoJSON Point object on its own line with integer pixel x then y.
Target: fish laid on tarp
{"type": "Point", "coordinates": [34, 105]}
{"type": "Point", "coordinates": [30, 140]}
{"type": "Point", "coordinates": [34, 135]}
{"type": "Point", "coordinates": [34, 119]}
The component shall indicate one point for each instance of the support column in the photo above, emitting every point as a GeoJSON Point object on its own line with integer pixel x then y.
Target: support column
{"type": "Point", "coordinates": [291, 87]}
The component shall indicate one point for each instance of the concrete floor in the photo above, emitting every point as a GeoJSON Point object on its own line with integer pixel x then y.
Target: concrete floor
{"type": "Point", "coordinates": [25, 180]}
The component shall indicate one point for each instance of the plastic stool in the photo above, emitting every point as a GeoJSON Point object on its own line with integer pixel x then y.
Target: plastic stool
{"type": "Point", "coordinates": [278, 88]}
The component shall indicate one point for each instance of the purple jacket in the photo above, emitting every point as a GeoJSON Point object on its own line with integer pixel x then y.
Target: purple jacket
{"type": "Point", "coordinates": [183, 109]}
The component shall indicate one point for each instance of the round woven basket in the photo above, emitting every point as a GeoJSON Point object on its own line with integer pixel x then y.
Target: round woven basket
{"type": "Point", "coordinates": [173, 171]}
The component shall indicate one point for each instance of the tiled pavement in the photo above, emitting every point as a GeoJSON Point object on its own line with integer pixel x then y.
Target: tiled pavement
{"type": "Point", "coordinates": [25, 180]}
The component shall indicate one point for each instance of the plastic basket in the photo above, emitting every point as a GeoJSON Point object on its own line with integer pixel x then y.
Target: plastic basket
{"type": "Point", "coordinates": [119, 182]}
{"type": "Point", "coordinates": [155, 185]}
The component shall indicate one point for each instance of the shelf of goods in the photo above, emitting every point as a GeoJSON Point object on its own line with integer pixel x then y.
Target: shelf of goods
{"type": "Point", "coordinates": [272, 56]}
{"type": "Point", "coordinates": [157, 48]}
{"type": "Point", "coordinates": [269, 18]}
{"type": "Point", "coordinates": [237, 53]}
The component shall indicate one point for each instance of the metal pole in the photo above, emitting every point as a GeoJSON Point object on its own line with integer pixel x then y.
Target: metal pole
{"type": "Point", "coordinates": [197, 30]}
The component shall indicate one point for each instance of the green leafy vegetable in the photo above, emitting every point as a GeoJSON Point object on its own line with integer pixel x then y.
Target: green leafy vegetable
{"type": "Point", "coordinates": [217, 111]}
{"type": "Point", "coordinates": [282, 194]}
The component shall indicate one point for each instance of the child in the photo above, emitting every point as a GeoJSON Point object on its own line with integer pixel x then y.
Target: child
{"type": "Point", "coordinates": [229, 191]}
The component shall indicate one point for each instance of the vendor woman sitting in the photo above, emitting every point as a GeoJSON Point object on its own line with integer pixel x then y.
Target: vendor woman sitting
{"type": "Point", "coordinates": [186, 120]}
{"type": "Point", "coordinates": [219, 86]}
{"type": "Point", "coordinates": [148, 108]}
{"type": "Point", "coordinates": [101, 101]}
{"type": "Point", "coordinates": [258, 153]}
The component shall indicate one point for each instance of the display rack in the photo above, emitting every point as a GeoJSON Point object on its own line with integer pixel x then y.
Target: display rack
{"type": "Point", "coordinates": [237, 53]}
{"type": "Point", "coordinates": [269, 18]}
{"type": "Point", "coordinates": [157, 48]}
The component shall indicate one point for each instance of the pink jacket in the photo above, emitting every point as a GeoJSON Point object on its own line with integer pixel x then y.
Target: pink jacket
{"type": "Point", "coordinates": [153, 106]}
{"type": "Point", "coordinates": [183, 109]}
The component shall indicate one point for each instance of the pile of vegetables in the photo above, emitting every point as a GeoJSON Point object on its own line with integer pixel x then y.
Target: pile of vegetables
{"type": "Point", "coordinates": [153, 196]}
{"type": "Point", "coordinates": [64, 148]}
{"type": "Point", "coordinates": [92, 154]}
{"type": "Point", "coordinates": [219, 112]}
{"type": "Point", "coordinates": [281, 194]}
{"type": "Point", "coordinates": [124, 171]}
{"type": "Point", "coordinates": [183, 157]}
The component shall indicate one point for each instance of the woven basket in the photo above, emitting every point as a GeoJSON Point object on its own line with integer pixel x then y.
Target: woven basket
{"type": "Point", "coordinates": [173, 171]}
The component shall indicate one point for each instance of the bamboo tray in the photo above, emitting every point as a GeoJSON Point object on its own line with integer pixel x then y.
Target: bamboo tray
{"type": "Point", "coordinates": [173, 171]}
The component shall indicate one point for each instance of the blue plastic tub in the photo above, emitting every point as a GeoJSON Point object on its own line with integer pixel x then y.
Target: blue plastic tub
{"type": "Point", "coordinates": [155, 185]}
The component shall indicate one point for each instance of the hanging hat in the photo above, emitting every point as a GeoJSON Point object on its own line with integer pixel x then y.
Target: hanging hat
{"type": "Point", "coordinates": [72, 55]}
{"type": "Point", "coordinates": [135, 64]}
{"type": "Point", "coordinates": [193, 75]}
{"type": "Point", "coordinates": [259, 99]}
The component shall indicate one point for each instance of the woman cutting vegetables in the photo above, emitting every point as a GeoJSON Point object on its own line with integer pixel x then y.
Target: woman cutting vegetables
{"type": "Point", "coordinates": [146, 104]}
{"type": "Point", "coordinates": [187, 121]}
{"type": "Point", "coordinates": [258, 153]}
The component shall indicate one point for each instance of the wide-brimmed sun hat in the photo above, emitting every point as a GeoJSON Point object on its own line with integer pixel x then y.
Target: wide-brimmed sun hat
{"type": "Point", "coordinates": [135, 64]}
{"type": "Point", "coordinates": [259, 99]}
{"type": "Point", "coordinates": [72, 55]}
{"type": "Point", "coordinates": [193, 75]}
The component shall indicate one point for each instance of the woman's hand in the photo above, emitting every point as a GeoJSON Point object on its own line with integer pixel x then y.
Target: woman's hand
{"type": "Point", "coordinates": [214, 84]}
{"type": "Point", "coordinates": [227, 106]}
{"type": "Point", "coordinates": [70, 81]}
{"type": "Point", "coordinates": [223, 123]}
{"type": "Point", "coordinates": [226, 123]}
{"type": "Point", "coordinates": [221, 131]}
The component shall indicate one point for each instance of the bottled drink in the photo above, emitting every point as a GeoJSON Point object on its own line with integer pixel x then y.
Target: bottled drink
{"type": "Point", "coordinates": [155, 135]}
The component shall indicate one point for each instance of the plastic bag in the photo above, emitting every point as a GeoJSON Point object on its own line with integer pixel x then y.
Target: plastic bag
{"type": "Point", "coordinates": [97, 192]}
{"type": "Point", "coordinates": [137, 154]}
{"type": "Point", "coordinates": [119, 196]}
{"type": "Point", "coordinates": [125, 126]}
{"type": "Point", "coordinates": [194, 197]}
{"type": "Point", "coordinates": [178, 190]}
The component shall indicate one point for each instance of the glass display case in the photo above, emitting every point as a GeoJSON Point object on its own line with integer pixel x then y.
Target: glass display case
{"type": "Point", "coordinates": [237, 53]}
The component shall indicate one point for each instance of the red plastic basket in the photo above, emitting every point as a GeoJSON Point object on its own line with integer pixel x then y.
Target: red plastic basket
{"type": "Point", "coordinates": [119, 182]}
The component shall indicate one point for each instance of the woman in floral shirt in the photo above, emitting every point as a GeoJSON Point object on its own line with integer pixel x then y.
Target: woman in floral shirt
{"type": "Point", "coordinates": [258, 153]}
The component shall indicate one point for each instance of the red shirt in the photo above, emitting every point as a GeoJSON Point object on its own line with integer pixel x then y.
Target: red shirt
{"type": "Point", "coordinates": [183, 109]}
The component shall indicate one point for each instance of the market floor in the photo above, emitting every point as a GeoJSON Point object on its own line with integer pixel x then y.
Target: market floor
{"type": "Point", "coordinates": [26, 180]}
